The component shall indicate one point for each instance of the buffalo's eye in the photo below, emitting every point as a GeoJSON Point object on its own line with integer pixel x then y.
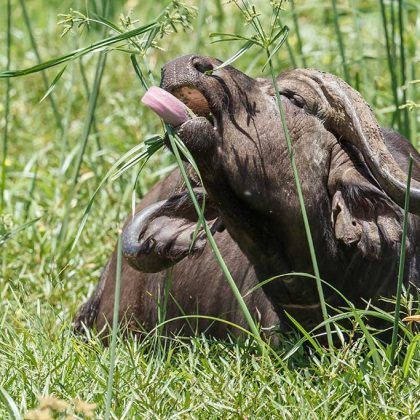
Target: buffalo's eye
{"type": "Point", "coordinates": [297, 100]}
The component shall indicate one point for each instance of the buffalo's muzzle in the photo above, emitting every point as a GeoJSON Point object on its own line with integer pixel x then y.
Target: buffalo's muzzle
{"type": "Point", "coordinates": [189, 79]}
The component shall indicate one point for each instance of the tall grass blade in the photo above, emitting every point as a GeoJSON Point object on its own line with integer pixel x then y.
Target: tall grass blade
{"type": "Point", "coordinates": [302, 205]}
{"type": "Point", "coordinates": [413, 97]}
{"type": "Point", "coordinates": [54, 107]}
{"type": "Point", "coordinates": [64, 152]}
{"type": "Point", "coordinates": [6, 108]}
{"type": "Point", "coordinates": [307, 335]}
{"type": "Point", "coordinates": [297, 31]}
{"type": "Point", "coordinates": [280, 37]}
{"type": "Point", "coordinates": [251, 15]}
{"type": "Point", "coordinates": [243, 330]}
{"type": "Point", "coordinates": [87, 90]}
{"type": "Point", "coordinates": [291, 54]}
{"type": "Point", "coordinates": [200, 21]}
{"type": "Point", "coordinates": [114, 331]}
{"type": "Point", "coordinates": [220, 13]}
{"type": "Point", "coordinates": [253, 327]}
{"type": "Point", "coordinates": [163, 304]}
{"type": "Point", "coordinates": [406, 122]}
{"type": "Point", "coordinates": [391, 64]}
{"type": "Point", "coordinates": [84, 78]}
{"type": "Point", "coordinates": [53, 84]}
{"type": "Point", "coordinates": [85, 135]}
{"type": "Point", "coordinates": [138, 71]}
{"type": "Point", "coordinates": [393, 29]}
{"type": "Point", "coordinates": [280, 276]}
{"type": "Point", "coordinates": [276, 22]}
{"type": "Point", "coordinates": [151, 149]}
{"type": "Point", "coordinates": [111, 174]}
{"type": "Point", "coordinates": [227, 37]}
{"type": "Point", "coordinates": [31, 193]}
{"type": "Point", "coordinates": [340, 42]}
{"type": "Point", "coordinates": [409, 356]}
{"type": "Point", "coordinates": [374, 346]}
{"type": "Point", "coordinates": [10, 405]}
{"type": "Point", "coordinates": [99, 45]}
{"type": "Point", "coordinates": [6, 236]}
{"type": "Point", "coordinates": [401, 265]}
{"type": "Point", "coordinates": [235, 56]}
{"type": "Point", "coordinates": [359, 47]}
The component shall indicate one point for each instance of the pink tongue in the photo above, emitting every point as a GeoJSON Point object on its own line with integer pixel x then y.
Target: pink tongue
{"type": "Point", "coordinates": [167, 106]}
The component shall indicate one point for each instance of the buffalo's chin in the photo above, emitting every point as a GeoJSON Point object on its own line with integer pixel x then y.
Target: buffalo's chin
{"type": "Point", "coordinates": [200, 138]}
{"type": "Point", "coordinates": [195, 129]}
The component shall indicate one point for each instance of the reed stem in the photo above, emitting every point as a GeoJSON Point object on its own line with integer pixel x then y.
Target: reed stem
{"type": "Point", "coordinates": [401, 268]}
{"type": "Point", "coordinates": [115, 317]}
{"type": "Point", "coordinates": [297, 30]}
{"type": "Point", "coordinates": [6, 108]}
{"type": "Point", "coordinates": [214, 247]}
{"type": "Point", "coordinates": [406, 120]}
{"type": "Point", "coordinates": [302, 206]}
{"type": "Point", "coordinates": [34, 44]}
{"type": "Point", "coordinates": [391, 64]}
{"type": "Point", "coordinates": [85, 135]}
{"type": "Point", "coordinates": [340, 43]}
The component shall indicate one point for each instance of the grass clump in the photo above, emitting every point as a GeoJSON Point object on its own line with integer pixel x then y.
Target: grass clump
{"type": "Point", "coordinates": [52, 164]}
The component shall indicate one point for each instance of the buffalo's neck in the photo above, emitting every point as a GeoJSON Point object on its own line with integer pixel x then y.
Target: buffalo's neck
{"type": "Point", "coordinates": [278, 247]}
{"type": "Point", "coordinates": [274, 247]}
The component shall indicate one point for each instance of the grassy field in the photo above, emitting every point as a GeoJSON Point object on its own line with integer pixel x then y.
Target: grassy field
{"type": "Point", "coordinates": [55, 152]}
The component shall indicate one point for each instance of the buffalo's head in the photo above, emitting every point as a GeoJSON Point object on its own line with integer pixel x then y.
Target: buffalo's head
{"type": "Point", "coordinates": [352, 173]}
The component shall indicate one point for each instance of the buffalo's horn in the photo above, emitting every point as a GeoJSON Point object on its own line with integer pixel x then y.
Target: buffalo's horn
{"type": "Point", "coordinates": [346, 114]}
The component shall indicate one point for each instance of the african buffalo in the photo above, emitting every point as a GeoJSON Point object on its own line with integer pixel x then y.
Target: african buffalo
{"type": "Point", "coordinates": [353, 177]}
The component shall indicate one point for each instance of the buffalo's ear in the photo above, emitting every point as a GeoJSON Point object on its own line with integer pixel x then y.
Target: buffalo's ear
{"type": "Point", "coordinates": [166, 232]}
{"type": "Point", "coordinates": [362, 216]}
{"type": "Point", "coordinates": [347, 228]}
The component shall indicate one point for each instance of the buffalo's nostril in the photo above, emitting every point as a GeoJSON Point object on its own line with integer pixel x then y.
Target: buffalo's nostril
{"type": "Point", "coordinates": [203, 66]}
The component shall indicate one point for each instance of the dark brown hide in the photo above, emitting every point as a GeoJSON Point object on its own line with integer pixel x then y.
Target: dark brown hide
{"type": "Point", "coordinates": [250, 190]}
{"type": "Point", "coordinates": [198, 287]}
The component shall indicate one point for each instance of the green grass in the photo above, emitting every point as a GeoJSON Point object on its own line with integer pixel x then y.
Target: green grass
{"type": "Point", "coordinates": [53, 168]}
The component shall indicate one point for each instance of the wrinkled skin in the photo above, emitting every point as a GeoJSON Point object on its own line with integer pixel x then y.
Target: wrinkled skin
{"type": "Point", "coordinates": [192, 280]}
{"type": "Point", "coordinates": [349, 169]}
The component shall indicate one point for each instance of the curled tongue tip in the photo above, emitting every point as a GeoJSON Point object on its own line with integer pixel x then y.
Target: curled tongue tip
{"type": "Point", "coordinates": [167, 106]}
